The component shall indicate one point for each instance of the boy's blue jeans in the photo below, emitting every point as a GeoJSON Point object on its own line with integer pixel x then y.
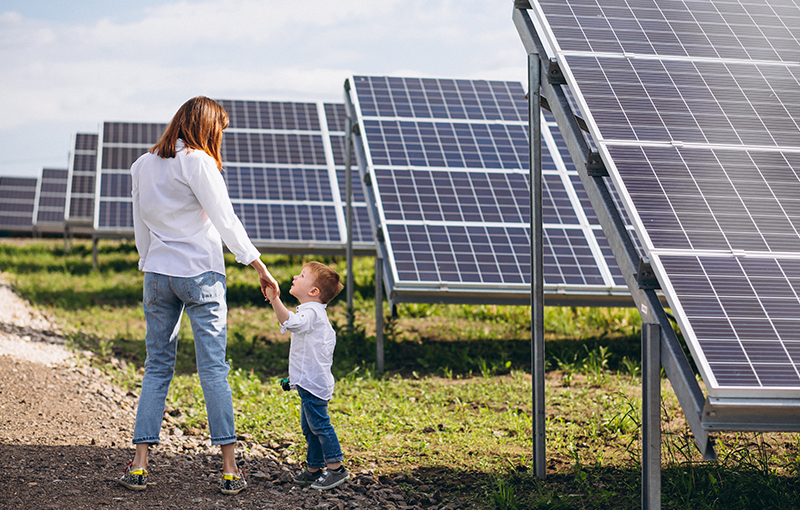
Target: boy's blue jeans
{"type": "Point", "coordinates": [323, 445]}
{"type": "Point", "coordinates": [164, 300]}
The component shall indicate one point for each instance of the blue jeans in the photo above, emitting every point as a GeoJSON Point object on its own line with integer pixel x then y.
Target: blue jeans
{"type": "Point", "coordinates": [203, 298]}
{"type": "Point", "coordinates": [323, 445]}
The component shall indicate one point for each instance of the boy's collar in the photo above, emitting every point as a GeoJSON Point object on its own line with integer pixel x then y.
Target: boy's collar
{"type": "Point", "coordinates": [308, 303]}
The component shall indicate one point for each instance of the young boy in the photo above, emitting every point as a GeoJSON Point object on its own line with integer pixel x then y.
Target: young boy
{"type": "Point", "coordinates": [310, 360]}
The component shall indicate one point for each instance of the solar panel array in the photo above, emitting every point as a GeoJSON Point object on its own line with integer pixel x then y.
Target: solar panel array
{"type": "Point", "coordinates": [52, 194]}
{"type": "Point", "coordinates": [79, 207]}
{"type": "Point", "coordinates": [448, 160]}
{"type": "Point", "coordinates": [281, 169]}
{"type": "Point", "coordinates": [17, 202]}
{"type": "Point", "coordinates": [695, 107]}
{"type": "Point", "coordinates": [281, 164]}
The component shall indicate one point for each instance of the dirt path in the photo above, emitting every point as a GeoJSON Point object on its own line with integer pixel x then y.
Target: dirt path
{"type": "Point", "coordinates": [65, 438]}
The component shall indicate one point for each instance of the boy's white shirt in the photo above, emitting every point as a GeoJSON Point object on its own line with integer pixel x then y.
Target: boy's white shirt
{"type": "Point", "coordinates": [311, 349]}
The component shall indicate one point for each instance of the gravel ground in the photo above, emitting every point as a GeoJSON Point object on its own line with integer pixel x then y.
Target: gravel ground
{"type": "Point", "coordinates": [65, 439]}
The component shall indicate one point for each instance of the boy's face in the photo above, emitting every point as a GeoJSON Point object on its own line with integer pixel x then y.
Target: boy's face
{"type": "Point", "coordinates": [303, 286]}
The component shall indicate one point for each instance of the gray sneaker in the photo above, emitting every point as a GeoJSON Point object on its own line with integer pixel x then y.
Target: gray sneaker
{"type": "Point", "coordinates": [331, 479]}
{"type": "Point", "coordinates": [307, 477]}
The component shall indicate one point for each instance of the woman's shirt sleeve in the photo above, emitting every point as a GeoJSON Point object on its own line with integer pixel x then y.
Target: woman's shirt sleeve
{"type": "Point", "coordinates": [141, 232]}
{"type": "Point", "coordinates": [209, 187]}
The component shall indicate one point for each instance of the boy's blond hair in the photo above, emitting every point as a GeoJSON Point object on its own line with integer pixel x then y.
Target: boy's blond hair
{"type": "Point", "coordinates": [327, 281]}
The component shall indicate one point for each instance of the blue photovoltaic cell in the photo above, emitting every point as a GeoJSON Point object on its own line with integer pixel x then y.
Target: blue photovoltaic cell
{"type": "Point", "coordinates": [449, 163]}
{"type": "Point", "coordinates": [80, 196]}
{"type": "Point", "coordinates": [17, 202]}
{"type": "Point", "coordinates": [694, 107]}
{"type": "Point", "coordinates": [52, 198]}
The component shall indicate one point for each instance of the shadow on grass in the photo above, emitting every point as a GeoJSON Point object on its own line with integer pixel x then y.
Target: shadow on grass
{"type": "Point", "coordinates": [692, 487]}
{"type": "Point", "coordinates": [450, 359]}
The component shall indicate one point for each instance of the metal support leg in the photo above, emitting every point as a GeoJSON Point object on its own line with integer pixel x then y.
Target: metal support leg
{"type": "Point", "coordinates": [348, 147]}
{"type": "Point", "coordinates": [379, 313]}
{"type": "Point", "coordinates": [537, 268]}
{"type": "Point", "coordinates": [651, 416]}
{"type": "Point", "coordinates": [94, 253]}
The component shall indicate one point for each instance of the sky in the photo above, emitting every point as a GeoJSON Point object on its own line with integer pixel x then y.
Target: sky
{"type": "Point", "coordinates": [69, 66]}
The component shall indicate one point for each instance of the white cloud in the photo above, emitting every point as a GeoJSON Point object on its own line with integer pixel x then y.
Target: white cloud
{"type": "Point", "coordinates": [142, 67]}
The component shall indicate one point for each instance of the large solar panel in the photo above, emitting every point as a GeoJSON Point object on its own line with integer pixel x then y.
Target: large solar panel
{"type": "Point", "coordinates": [51, 199]}
{"type": "Point", "coordinates": [280, 167]}
{"type": "Point", "coordinates": [695, 109]}
{"type": "Point", "coordinates": [448, 165]}
{"type": "Point", "coordinates": [17, 202]}
{"type": "Point", "coordinates": [79, 206]}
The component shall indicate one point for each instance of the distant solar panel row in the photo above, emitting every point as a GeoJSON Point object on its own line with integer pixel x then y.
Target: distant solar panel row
{"type": "Point", "coordinates": [449, 163]}
{"type": "Point", "coordinates": [280, 170]}
{"type": "Point", "coordinates": [695, 107]}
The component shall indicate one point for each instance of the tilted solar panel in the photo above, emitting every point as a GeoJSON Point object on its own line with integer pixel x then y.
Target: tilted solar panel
{"type": "Point", "coordinates": [17, 202]}
{"type": "Point", "coordinates": [279, 167]}
{"type": "Point", "coordinates": [448, 163]}
{"type": "Point", "coordinates": [51, 199]}
{"type": "Point", "coordinates": [695, 108]}
{"type": "Point", "coordinates": [79, 206]}
{"type": "Point", "coordinates": [119, 145]}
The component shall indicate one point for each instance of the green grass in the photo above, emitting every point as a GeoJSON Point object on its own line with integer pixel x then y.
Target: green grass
{"type": "Point", "coordinates": [453, 408]}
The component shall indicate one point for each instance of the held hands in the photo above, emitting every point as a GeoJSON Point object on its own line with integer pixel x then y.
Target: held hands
{"type": "Point", "coordinates": [269, 287]}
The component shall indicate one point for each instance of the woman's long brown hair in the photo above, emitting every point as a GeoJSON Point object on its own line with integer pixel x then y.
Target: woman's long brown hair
{"type": "Point", "coordinates": [199, 123]}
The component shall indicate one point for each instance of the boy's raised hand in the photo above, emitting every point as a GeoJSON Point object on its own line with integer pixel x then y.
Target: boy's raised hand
{"type": "Point", "coordinates": [271, 292]}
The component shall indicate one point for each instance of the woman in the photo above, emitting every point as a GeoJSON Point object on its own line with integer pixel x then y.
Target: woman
{"type": "Point", "coordinates": [181, 215]}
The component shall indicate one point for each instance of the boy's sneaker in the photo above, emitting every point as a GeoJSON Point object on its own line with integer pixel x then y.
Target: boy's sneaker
{"type": "Point", "coordinates": [135, 480]}
{"type": "Point", "coordinates": [308, 477]}
{"type": "Point", "coordinates": [332, 478]}
{"type": "Point", "coordinates": [232, 484]}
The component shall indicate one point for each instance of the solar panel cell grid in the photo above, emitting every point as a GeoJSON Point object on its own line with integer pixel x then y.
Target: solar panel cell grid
{"type": "Point", "coordinates": [266, 115]}
{"type": "Point", "coordinates": [52, 196]}
{"type": "Point", "coordinates": [704, 142]}
{"type": "Point", "coordinates": [716, 29]}
{"type": "Point", "coordinates": [449, 162]}
{"type": "Point", "coordinates": [17, 202]}
{"type": "Point", "coordinates": [440, 99]}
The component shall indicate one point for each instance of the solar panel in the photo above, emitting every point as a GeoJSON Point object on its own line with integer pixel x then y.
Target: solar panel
{"type": "Point", "coordinates": [17, 201]}
{"type": "Point", "coordinates": [280, 168]}
{"type": "Point", "coordinates": [119, 145]}
{"type": "Point", "coordinates": [448, 165]}
{"type": "Point", "coordinates": [695, 109]}
{"type": "Point", "coordinates": [79, 205]}
{"type": "Point", "coordinates": [51, 198]}
{"type": "Point", "coordinates": [284, 164]}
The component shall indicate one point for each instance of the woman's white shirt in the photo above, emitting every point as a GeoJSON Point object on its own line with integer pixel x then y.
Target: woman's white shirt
{"type": "Point", "coordinates": [311, 349]}
{"type": "Point", "coordinates": [182, 213]}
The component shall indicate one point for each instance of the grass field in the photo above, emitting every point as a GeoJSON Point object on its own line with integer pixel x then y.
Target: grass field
{"type": "Point", "coordinates": [454, 405]}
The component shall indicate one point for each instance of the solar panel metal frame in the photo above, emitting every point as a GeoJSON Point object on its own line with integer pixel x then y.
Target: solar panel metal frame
{"type": "Point", "coordinates": [609, 294]}
{"type": "Point", "coordinates": [744, 411]}
{"type": "Point", "coordinates": [42, 194]}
